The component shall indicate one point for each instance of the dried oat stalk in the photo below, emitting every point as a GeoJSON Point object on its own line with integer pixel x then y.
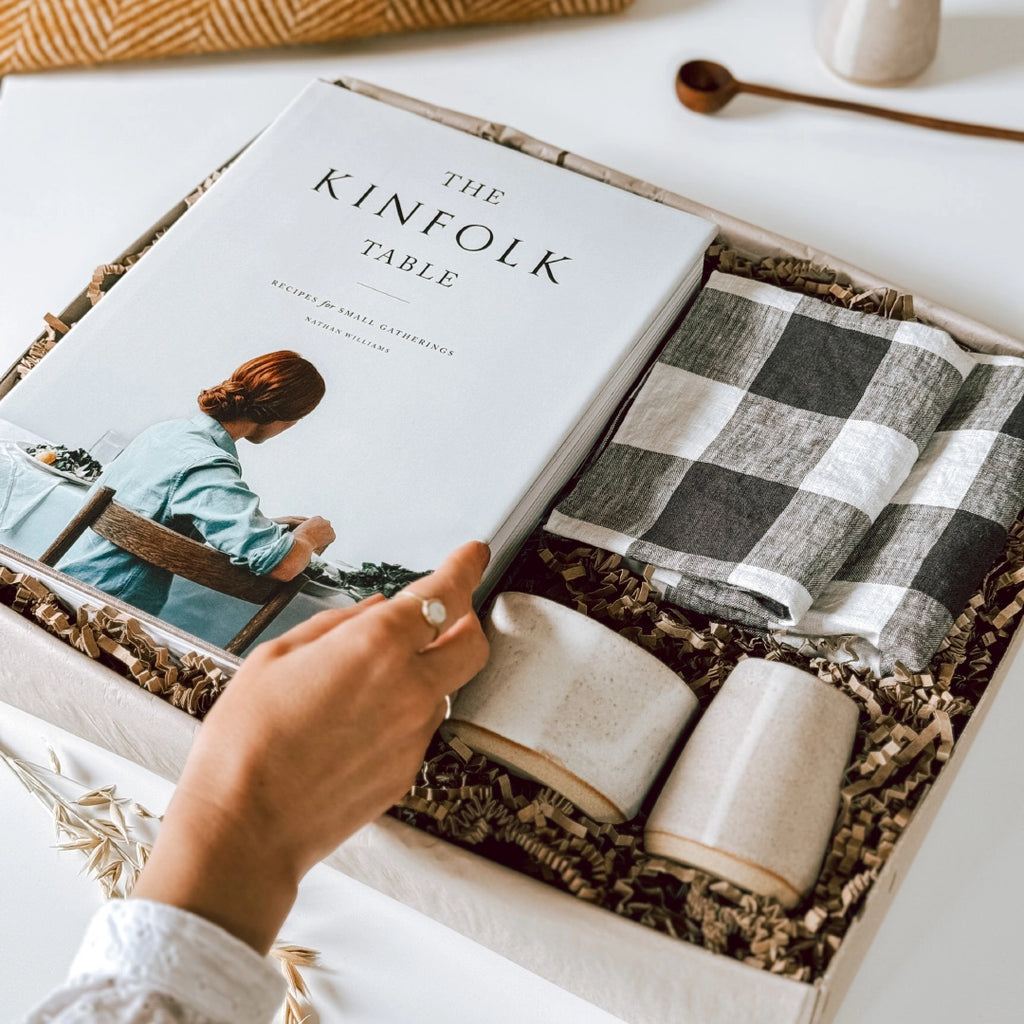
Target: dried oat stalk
{"type": "Point", "coordinates": [298, 1004]}
{"type": "Point", "coordinates": [106, 828]}
{"type": "Point", "coordinates": [115, 834]}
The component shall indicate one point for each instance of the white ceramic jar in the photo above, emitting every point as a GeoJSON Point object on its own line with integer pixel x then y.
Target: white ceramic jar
{"type": "Point", "coordinates": [878, 42]}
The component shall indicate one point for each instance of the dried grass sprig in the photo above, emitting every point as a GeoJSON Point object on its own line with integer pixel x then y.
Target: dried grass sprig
{"type": "Point", "coordinates": [97, 822]}
{"type": "Point", "coordinates": [106, 829]}
{"type": "Point", "coordinates": [298, 1004]}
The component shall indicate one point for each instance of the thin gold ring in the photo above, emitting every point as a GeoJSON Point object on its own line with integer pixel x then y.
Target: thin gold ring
{"type": "Point", "coordinates": [431, 608]}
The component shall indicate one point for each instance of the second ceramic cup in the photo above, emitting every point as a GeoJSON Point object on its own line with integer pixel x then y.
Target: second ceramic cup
{"type": "Point", "coordinates": [754, 794]}
{"type": "Point", "coordinates": [568, 702]}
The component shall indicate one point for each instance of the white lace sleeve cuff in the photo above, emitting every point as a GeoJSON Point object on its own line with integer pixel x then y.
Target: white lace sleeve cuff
{"type": "Point", "coordinates": [172, 951]}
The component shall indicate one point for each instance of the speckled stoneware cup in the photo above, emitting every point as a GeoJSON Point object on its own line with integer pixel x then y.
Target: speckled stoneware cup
{"type": "Point", "coordinates": [570, 703]}
{"type": "Point", "coordinates": [754, 794]}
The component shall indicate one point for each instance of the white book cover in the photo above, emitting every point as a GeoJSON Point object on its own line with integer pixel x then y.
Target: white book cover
{"type": "Point", "coordinates": [465, 303]}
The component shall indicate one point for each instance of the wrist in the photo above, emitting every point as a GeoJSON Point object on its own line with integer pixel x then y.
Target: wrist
{"type": "Point", "coordinates": [304, 544]}
{"type": "Point", "coordinates": [210, 864]}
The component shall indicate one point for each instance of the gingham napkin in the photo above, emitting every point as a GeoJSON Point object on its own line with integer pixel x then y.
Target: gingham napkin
{"type": "Point", "coordinates": [929, 550]}
{"type": "Point", "coordinates": [768, 437]}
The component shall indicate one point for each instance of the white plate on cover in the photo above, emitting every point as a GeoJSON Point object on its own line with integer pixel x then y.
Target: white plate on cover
{"type": "Point", "coordinates": [22, 447]}
{"type": "Point", "coordinates": [325, 589]}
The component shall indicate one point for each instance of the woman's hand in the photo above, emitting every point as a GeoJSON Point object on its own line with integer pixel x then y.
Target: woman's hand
{"type": "Point", "coordinates": [317, 531]}
{"type": "Point", "coordinates": [319, 732]}
{"type": "Point", "coordinates": [311, 535]}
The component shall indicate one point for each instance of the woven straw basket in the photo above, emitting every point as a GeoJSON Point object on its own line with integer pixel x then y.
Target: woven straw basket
{"type": "Point", "coordinates": [38, 34]}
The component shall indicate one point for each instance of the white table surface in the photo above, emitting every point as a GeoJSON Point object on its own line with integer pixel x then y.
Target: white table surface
{"type": "Point", "coordinates": [88, 159]}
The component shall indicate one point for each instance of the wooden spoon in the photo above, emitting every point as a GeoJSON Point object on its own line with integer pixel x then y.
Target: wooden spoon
{"type": "Point", "coordinates": [706, 87]}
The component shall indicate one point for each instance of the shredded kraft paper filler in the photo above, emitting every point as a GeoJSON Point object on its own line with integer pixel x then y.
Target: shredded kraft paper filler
{"type": "Point", "coordinates": [908, 725]}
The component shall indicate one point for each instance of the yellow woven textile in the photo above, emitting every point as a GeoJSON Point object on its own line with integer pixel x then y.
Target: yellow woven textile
{"type": "Point", "coordinates": [37, 34]}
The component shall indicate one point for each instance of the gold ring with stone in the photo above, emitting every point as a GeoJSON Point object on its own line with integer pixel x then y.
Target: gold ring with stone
{"type": "Point", "coordinates": [432, 609]}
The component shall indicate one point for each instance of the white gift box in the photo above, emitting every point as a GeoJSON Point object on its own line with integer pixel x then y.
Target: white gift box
{"type": "Point", "coordinates": [611, 961]}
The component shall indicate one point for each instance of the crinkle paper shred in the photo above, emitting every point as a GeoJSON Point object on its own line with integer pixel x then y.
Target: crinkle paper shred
{"type": "Point", "coordinates": [909, 723]}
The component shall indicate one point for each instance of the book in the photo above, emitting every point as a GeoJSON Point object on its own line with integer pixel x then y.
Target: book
{"type": "Point", "coordinates": [477, 315]}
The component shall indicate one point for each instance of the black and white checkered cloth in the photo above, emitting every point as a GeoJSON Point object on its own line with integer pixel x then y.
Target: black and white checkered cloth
{"type": "Point", "coordinates": [771, 433]}
{"type": "Point", "coordinates": [929, 550]}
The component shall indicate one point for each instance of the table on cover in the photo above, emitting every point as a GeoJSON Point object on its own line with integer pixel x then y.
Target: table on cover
{"type": "Point", "coordinates": [35, 505]}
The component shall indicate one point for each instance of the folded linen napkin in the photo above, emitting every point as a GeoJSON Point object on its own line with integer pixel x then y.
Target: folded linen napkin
{"type": "Point", "coordinates": [929, 550]}
{"type": "Point", "coordinates": [770, 434]}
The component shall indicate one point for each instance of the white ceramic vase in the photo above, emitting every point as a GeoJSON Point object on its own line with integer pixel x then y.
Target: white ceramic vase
{"type": "Point", "coordinates": [568, 702]}
{"type": "Point", "coordinates": [878, 42]}
{"type": "Point", "coordinates": [754, 794]}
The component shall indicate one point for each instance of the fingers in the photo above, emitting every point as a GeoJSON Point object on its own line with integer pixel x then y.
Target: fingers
{"type": "Point", "coordinates": [452, 583]}
{"type": "Point", "coordinates": [317, 530]}
{"type": "Point", "coordinates": [457, 656]}
{"type": "Point", "coordinates": [397, 628]}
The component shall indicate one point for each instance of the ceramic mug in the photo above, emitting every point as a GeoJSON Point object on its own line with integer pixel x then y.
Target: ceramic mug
{"type": "Point", "coordinates": [568, 702]}
{"type": "Point", "coordinates": [754, 794]}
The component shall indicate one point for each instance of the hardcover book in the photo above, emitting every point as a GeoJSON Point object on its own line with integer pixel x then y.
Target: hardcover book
{"type": "Point", "coordinates": [476, 315]}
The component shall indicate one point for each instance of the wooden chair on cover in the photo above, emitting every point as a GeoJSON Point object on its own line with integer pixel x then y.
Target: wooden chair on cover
{"type": "Point", "coordinates": [167, 549]}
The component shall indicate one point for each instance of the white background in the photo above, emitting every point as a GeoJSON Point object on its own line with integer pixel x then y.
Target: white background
{"type": "Point", "coordinates": [89, 159]}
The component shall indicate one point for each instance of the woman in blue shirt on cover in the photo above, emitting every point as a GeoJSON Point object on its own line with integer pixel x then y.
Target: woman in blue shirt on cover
{"type": "Point", "coordinates": [185, 474]}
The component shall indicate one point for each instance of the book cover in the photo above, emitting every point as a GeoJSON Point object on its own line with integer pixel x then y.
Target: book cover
{"type": "Point", "coordinates": [475, 313]}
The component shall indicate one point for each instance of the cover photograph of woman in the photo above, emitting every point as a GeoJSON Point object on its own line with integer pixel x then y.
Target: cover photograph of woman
{"type": "Point", "coordinates": [169, 524]}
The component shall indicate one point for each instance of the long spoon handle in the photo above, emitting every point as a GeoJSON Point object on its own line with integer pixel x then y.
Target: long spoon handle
{"type": "Point", "coordinates": [963, 127]}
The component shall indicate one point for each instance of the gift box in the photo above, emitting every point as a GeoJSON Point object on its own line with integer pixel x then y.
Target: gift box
{"type": "Point", "coordinates": [628, 968]}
